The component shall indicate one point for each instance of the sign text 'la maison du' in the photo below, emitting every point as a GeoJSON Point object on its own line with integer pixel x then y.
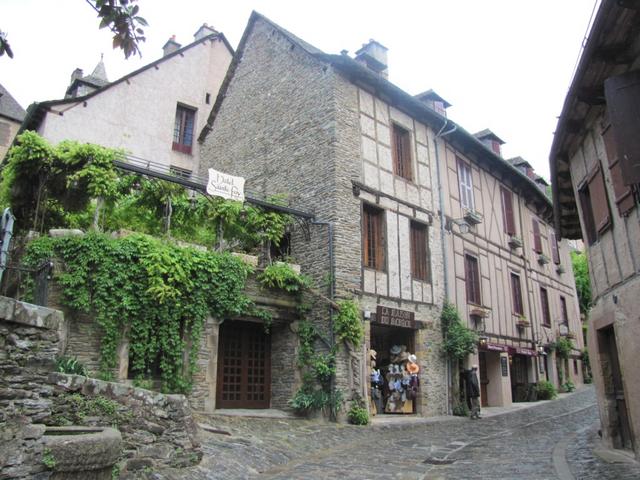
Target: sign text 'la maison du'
{"type": "Point", "coordinates": [394, 317]}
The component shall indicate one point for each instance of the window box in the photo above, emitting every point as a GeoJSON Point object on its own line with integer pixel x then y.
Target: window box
{"type": "Point", "coordinates": [523, 323]}
{"type": "Point", "coordinates": [560, 270]}
{"type": "Point", "coordinates": [543, 259]}
{"type": "Point", "coordinates": [472, 217]}
{"type": "Point", "coordinates": [515, 242]}
{"type": "Point", "coordinates": [570, 335]}
{"type": "Point", "coordinates": [480, 312]}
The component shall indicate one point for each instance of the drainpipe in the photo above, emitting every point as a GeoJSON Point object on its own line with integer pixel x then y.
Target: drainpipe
{"type": "Point", "coordinates": [332, 289]}
{"type": "Point", "coordinates": [441, 133]}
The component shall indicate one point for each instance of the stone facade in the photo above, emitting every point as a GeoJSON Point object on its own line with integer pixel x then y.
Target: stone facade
{"type": "Point", "coordinates": [308, 124]}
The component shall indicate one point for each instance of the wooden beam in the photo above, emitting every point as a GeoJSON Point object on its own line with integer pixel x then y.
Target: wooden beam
{"type": "Point", "coordinates": [591, 95]}
{"type": "Point", "coordinates": [615, 54]}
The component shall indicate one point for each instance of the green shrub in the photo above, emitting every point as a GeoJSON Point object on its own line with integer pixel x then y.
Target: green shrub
{"type": "Point", "coordinates": [70, 365]}
{"type": "Point", "coordinates": [546, 390]}
{"type": "Point", "coordinates": [358, 415]}
{"type": "Point", "coordinates": [461, 410]}
{"type": "Point", "coordinates": [568, 386]}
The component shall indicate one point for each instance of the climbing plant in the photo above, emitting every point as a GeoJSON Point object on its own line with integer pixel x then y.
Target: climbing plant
{"type": "Point", "coordinates": [161, 292]}
{"type": "Point", "coordinates": [459, 340]}
{"type": "Point", "coordinates": [347, 324]}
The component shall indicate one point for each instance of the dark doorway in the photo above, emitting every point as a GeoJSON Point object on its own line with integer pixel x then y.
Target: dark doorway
{"type": "Point", "coordinates": [518, 378]}
{"type": "Point", "coordinates": [614, 389]}
{"type": "Point", "coordinates": [244, 366]}
{"type": "Point", "coordinates": [484, 378]}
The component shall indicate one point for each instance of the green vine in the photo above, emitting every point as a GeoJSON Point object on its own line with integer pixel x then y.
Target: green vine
{"type": "Point", "coordinates": [347, 324]}
{"type": "Point", "coordinates": [160, 292]}
{"type": "Point", "coordinates": [282, 276]}
{"type": "Point", "coordinates": [459, 340]}
{"type": "Point", "coordinates": [563, 347]}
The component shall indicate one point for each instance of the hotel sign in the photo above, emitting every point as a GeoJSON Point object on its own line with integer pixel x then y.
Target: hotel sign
{"type": "Point", "coordinates": [225, 186]}
{"type": "Point", "coordinates": [394, 317]}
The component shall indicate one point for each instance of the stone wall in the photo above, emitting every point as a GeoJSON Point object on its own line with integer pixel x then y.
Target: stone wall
{"type": "Point", "coordinates": [157, 430]}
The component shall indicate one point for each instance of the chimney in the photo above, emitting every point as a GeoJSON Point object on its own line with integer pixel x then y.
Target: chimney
{"type": "Point", "coordinates": [204, 31]}
{"type": "Point", "coordinates": [374, 56]}
{"type": "Point", "coordinates": [171, 46]}
{"type": "Point", "coordinates": [77, 73]}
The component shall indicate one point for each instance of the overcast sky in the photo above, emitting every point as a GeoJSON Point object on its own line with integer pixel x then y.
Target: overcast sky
{"type": "Point", "coordinates": [503, 64]}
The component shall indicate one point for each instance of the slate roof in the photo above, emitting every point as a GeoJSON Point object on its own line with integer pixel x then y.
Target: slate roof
{"type": "Point", "coordinates": [9, 107]}
{"type": "Point", "coordinates": [431, 94]}
{"type": "Point", "coordinates": [486, 133]}
{"type": "Point", "coordinates": [354, 71]}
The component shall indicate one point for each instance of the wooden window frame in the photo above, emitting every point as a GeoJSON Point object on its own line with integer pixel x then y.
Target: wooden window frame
{"type": "Point", "coordinates": [594, 204]}
{"type": "Point", "coordinates": [555, 248]}
{"type": "Point", "coordinates": [401, 151]}
{"type": "Point", "coordinates": [622, 194]}
{"type": "Point", "coordinates": [184, 129]}
{"type": "Point", "coordinates": [546, 311]}
{"type": "Point", "coordinates": [373, 237]}
{"type": "Point", "coordinates": [563, 310]}
{"type": "Point", "coordinates": [516, 294]}
{"type": "Point", "coordinates": [472, 279]}
{"type": "Point", "coordinates": [419, 235]}
{"type": "Point", "coordinates": [465, 185]}
{"type": "Point", "coordinates": [508, 218]}
{"type": "Point", "coordinates": [537, 236]}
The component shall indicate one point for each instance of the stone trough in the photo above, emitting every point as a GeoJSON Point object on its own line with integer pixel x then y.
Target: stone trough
{"type": "Point", "coordinates": [82, 453]}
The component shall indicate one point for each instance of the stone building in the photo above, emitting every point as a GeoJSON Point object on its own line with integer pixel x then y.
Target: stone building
{"type": "Point", "coordinates": [376, 166]}
{"type": "Point", "coordinates": [595, 162]}
{"type": "Point", "coordinates": [11, 116]}
{"type": "Point", "coordinates": [153, 113]}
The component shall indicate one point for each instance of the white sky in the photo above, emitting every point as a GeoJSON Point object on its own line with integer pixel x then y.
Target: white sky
{"type": "Point", "coordinates": [503, 64]}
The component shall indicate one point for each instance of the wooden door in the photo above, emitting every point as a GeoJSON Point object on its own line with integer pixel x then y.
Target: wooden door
{"type": "Point", "coordinates": [484, 379]}
{"type": "Point", "coordinates": [244, 366]}
{"type": "Point", "coordinates": [614, 384]}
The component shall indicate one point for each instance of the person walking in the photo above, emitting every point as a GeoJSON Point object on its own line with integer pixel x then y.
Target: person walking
{"type": "Point", "coordinates": [473, 391]}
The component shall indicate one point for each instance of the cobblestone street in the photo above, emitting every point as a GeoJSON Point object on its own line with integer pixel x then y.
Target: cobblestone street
{"type": "Point", "coordinates": [546, 441]}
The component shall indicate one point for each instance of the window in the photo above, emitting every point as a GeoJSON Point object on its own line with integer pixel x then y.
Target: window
{"type": "Point", "coordinates": [546, 314]}
{"type": "Point", "coordinates": [472, 279]}
{"type": "Point", "coordinates": [466, 185]}
{"type": "Point", "coordinates": [594, 204]}
{"type": "Point", "coordinates": [516, 293]}
{"type": "Point", "coordinates": [183, 129]}
{"type": "Point", "coordinates": [419, 252]}
{"type": "Point", "coordinates": [537, 238]}
{"type": "Point", "coordinates": [555, 252]}
{"type": "Point", "coordinates": [180, 172]}
{"type": "Point", "coordinates": [373, 237]}
{"type": "Point", "coordinates": [509, 223]}
{"type": "Point", "coordinates": [565, 314]}
{"type": "Point", "coordinates": [623, 194]}
{"type": "Point", "coordinates": [401, 150]}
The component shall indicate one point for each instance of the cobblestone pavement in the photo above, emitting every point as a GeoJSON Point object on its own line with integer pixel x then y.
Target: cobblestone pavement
{"type": "Point", "coordinates": [550, 440]}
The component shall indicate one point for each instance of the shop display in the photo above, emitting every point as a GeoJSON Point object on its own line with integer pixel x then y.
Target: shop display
{"type": "Point", "coordinates": [395, 386]}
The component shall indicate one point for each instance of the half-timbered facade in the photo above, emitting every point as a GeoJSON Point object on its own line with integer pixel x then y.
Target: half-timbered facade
{"type": "Point", "coordinates": [391, 181]}
{"type": "Point", "coordinates": [595, 161]}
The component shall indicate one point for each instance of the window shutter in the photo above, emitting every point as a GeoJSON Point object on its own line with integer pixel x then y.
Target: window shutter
{"type": "Point", "coordinates": [516, 294]}
{"type": "Point", "coordinates": [622, 94]}
{"type": "Point", "coordinates": [555, 253]}
{"type": "Point", "coordinates": [507, 211]}
{"type": "Point", "coordinates": [599, 203]}
{"type": "Point", "coordinates": [537, 239]}
{"type": "Point", "coordinates": [622, 193]}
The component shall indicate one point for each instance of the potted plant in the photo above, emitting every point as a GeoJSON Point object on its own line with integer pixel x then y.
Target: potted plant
{"type": "Point", "coordinates": [472, 217]}
{"type": "Point", "coordinates": [543, 259]}
{"type": "Point", "coordinates": [522, 322]}
{"type": "Point", "coordinates": [515, 242]}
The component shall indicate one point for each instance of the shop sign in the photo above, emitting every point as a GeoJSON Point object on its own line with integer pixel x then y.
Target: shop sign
{"type": "Point", "coordinates": [394, 317]}
{"type": "Point", "coordinates": [225, 186]}
{"type": "Point", "coordinates": [496, 347]}
{"type": "Point", "coordinates": [504, 366]}
{"type": "Point", "coordinates": [525, 351]}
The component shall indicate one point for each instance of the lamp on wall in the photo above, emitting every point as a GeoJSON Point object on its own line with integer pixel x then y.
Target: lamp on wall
{"type": "Point", "coordinates": [463, 225]}
{"type": "Point", "coordinates": [483, 341]}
